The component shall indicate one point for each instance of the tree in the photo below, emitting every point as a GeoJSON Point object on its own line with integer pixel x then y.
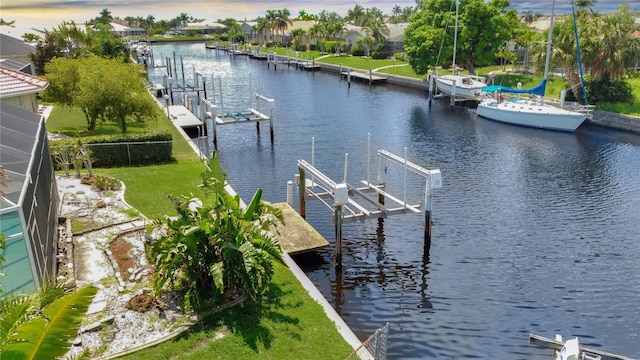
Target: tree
{"type": "Point", "coordinates": [356, 15]}
{"type": "Point", "coordinates": [41, 325]}
{"type": "Point", "coordinates": [214, 247]}
{"type": "Point", "coordinates": [46, 49]}
{"type": "Point", "coordinates": [105, 17]}
{"type": "Point", "coordinates": [104, 89]}
{"type": "Point", "coordinates": [376, 29]}
{"type": "Point", "coordinates": [69, 36]}
{"type": "Point", "coordinates": [397, 10]}
{"type": "Point", "coordinates": [483, 27]}
{"type": "Point", "coordinates": [282, 20]}
{"type": "Point", "coordinates": [297, 35]}
{"type": "Point", "coordinates": [102, 40]}
{"type": "Point", "coordinates": [30, 37]}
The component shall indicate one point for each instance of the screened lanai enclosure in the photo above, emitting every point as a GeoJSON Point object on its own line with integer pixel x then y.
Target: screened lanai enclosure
{"type": "Point", "coordinates": [29, 201]}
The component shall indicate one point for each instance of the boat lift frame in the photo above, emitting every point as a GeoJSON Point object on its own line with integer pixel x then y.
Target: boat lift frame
{"type": "Point", "coordinates": [313, 184]}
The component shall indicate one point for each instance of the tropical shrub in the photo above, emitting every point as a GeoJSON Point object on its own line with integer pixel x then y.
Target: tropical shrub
{"type": "Point", "coordinates": [357, 50]}
{"type": "Point", "coordinates": [609, 91]}
{"type": "Point", "coordinates": [214, 247]}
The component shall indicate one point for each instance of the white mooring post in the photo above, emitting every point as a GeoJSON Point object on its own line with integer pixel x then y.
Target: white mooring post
{"type": "Point", "coordinates": [290, 193]}
{"type": "Point", "coordinates": [434, 181]}
{"type": "Point", "coordinates": [341, 198]}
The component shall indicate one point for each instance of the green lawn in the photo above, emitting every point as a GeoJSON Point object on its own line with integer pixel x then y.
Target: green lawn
{"type": "Point", "coordinates": [358, 62]}
{"type": "Point", "coordinates": [287, 324]}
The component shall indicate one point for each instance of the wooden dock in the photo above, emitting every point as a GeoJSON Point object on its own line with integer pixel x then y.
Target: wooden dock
{"type": "Point", "coordinates": [557, 345]}
{"type": "Point", "coordinates": [371, 78]}
{"type": "Point", "coordinates": [297, 236]}
{"type": "Point", "coordinates": [181, 116]}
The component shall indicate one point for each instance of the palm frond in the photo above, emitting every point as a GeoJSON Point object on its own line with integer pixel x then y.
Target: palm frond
{"type": "Point", "coordinates": [48, 336]}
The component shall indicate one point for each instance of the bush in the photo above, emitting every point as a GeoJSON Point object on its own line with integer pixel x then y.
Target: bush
{"type": "Point", "coordinates": [106, 183]}
{"type": "Point", "coordinates": [313, 47]}
{"type": "Point", "coordinates": [379, 55]}
{"type": "Point", "coordinates": [609, 91]}
{"type": "Point", "coordinates": [301, 47]}
{"type": "Point", "coordinates": [136, 149]}
{"type": "Point", "coordinates": [357, 50]}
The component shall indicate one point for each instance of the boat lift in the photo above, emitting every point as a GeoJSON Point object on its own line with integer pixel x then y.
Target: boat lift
{"type": "Point", "coordinates": [357, 203]}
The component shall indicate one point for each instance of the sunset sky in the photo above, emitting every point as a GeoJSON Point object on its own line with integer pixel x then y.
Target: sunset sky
{"type": "Point", "coordinates": [39, 14]}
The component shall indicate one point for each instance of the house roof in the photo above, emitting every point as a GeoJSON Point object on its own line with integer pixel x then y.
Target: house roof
{"type": "Point", "coordinates": [203, 25]}
{"type": "Point", "coordinates": [10, 46]}
{"type": "Point", "coordinates": [16, 83]}
{"type": "Point", "coordinates": [18, 131]}
{"type": "Point", "coordinates": [16, 65]}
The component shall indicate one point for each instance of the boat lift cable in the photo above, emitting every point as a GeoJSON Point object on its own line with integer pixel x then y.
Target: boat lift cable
{"type": "Point", "coordinates": [575, 30]}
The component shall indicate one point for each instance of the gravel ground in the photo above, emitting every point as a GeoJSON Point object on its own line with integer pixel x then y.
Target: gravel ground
{"type": "Point", "coordinates": [109, 327]}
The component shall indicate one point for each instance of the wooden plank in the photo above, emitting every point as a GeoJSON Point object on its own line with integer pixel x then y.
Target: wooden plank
{"type": "Point", "coordinates": [557, 345]}
{"type": "Point", "coordinates": [297, 236]}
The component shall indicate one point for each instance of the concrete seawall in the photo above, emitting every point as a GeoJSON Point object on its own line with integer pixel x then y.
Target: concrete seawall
{"type": "Point", "coordinates": [616, 121]}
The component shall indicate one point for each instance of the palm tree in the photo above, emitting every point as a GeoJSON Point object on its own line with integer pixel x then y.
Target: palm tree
{"type": "Point", "coordinates": [378, 30]}
{"type": "Point", "coordinates": [296, 36]}
{"type": "Point", "coordinates": [282, 21]}
{"type": "Point", "coordinates": [585, 3]}
{"type": "Point", "coordinates": [41, 325]}
{"type": "Point", "coordinates": [217, 248]}
{"type": "Point", "coordinates": [69, 36]}
{"type": "Point", "coordinates": [397, 10]}
{"type": "Point", "coordinates": [105, 17]}
{"type": "Point", "coordinates": [356, 15]}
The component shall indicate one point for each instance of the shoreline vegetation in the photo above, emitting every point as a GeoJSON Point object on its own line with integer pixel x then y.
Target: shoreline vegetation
{"type": "Point", "coordinates": [287, 324]}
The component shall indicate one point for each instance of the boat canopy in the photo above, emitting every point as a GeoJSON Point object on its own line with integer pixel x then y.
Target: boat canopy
{"type": "Point", "coordinates": [537, 90]}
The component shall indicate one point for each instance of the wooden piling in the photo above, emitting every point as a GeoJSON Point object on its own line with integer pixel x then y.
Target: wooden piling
{"type": "Point", "coordinates": [338, 242]}
{"type": "Point", "coordinates": [301, 192]}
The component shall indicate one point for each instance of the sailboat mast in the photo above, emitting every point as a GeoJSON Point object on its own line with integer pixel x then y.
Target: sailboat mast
{"type": "Point", "coordinates": [546, 65]}
{"type": "Point", "coordinates": [455, 40]}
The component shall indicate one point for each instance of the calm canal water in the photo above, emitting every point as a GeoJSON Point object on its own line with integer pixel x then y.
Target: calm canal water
{"type": "Point", "coordinates": [533, 231]}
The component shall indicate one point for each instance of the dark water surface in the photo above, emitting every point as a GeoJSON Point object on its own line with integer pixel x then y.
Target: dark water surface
{"type": "Point", "coordinates": [534, 231]}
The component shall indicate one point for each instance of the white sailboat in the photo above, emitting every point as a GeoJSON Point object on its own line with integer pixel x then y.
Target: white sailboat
{"type": "Point", "coordinates": [459, 86]}
{"type": "Point", "coordinates": [530, 112]}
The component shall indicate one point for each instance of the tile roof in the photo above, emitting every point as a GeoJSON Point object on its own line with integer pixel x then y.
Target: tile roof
{"type": "Point", "coordinates": [15, 83]}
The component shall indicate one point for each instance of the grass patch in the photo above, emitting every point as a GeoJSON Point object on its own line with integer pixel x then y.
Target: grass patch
{"type": "Point", "coordinates": [71, 122]}
{"type": "Point", "coordinates": [287, 324]}
{"type": "Point", "coordinates": [358, 62]}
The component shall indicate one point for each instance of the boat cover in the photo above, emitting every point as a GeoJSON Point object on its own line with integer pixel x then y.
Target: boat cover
{"type": "Point", "coordinates": [537, 90]}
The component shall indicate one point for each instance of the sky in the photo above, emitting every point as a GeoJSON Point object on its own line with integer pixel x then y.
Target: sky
{"type": "Point", "coordinates": [48, 14]}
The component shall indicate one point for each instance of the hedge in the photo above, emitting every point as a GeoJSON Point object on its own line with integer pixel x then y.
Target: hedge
{"type": "Point", "coordinates": [125, 149]}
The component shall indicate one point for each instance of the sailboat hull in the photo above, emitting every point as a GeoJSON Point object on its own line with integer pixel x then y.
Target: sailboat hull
{"type": "Point", "coordinates": [531, 114]}
{"type": "Point", "coordinates": [466, 87]}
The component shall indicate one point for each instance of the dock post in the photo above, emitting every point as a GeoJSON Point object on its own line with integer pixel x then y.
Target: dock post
{"type": "Point", "coordinates": [349, 78]}
{"type": "Point", "coordinates": [271, 132]}
{"type": "Point", "coordinates": [382, 169]}
{"type": "Point", "coordinates": [338, 222]}
{"type": "Point", "coordinates": [427, 217]}
{"type": "Point", "coordinates": [290, 193]}
{"type": "Point", "coordinates": [302, 183]}
{"type": "Point", "coordinates": [431, 88]}
{"type": "Point", "coordinates": [340, 77]}
{"type": "Point", "coordinates": [370, 76]}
